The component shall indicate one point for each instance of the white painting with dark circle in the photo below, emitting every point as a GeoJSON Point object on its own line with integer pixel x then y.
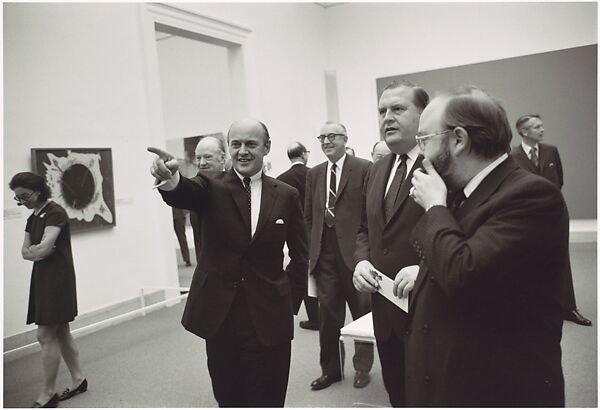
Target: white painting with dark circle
{"type": "Point", "coordinates": [76, 184]}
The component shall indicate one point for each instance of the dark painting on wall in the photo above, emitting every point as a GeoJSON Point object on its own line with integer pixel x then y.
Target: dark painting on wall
{"type": "Point", "coordinates": [81, 181]}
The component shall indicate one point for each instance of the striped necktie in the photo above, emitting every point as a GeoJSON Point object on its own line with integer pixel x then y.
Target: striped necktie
{"type": "Point", "coordinates": [329, 211]}
{"type": "Point", "coordinates": [534, 157]}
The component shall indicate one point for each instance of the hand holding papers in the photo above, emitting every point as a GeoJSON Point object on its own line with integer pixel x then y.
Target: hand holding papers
{"type": "Point", "coordinates": [386, 289]}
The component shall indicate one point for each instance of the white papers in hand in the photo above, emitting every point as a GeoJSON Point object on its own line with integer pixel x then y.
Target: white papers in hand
{"type": "Point", "coordinates": [386, 289]}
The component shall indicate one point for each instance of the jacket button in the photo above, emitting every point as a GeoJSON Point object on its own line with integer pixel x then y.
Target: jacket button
{"type": "Point", "coordinates": [407, 332]}
{"type": "Point", "coordinates": [425, 329]}
{"type": "Point", "coordinates": [385, 251]}
{"type": "Point", "coordinates": [427, 380]}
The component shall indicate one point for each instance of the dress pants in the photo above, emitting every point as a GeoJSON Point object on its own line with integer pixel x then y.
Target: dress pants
{"type": "Point", "coordinates": [334, 289]}
{"type": "Point", "coordinates": [245, 373]}
{"type": "Point", "coordinates": [179, 226]}
{"type": "Point", "coordinates": [311, 305]}
{"type": "Point", "coordinates": [569, 303]}
{"type": "Point", "coordinates": [195, 222]}
{"type": "Point", "coordinates": [391, 356]}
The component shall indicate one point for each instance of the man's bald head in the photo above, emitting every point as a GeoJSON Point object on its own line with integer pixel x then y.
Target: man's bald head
{"type": "Point", "coordinates": [210, 154]}
{"type": "Point", "coordinates": [249, 142]}
{"type": "Point", "coordinates": [250, 125]}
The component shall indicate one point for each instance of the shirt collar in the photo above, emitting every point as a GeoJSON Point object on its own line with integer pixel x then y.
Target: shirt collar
{"type": "Point", "coordinates": [476, 180]}
{"type": "Point", "coordinates": [253, 178]}
{"type": "Point", "coordinates": [527, 148]}
{"type": "Point", "coordinates": [339, 163]}
{"type": "Point", "coordinates": [412, 154]}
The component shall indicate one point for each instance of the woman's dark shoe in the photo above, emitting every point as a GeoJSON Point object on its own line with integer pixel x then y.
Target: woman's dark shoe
{"type": "Point", "coordinates": [53, 402]}
{"type": "Point", "coordinates": [68, 393]}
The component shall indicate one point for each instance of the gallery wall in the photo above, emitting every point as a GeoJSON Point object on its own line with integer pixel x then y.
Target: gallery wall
{"type": "Point", "coordinates": [400, 38]}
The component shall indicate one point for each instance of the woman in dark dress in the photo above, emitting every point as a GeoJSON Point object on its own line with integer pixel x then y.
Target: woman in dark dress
{"type": "Point", "coordinates": [52, 294]}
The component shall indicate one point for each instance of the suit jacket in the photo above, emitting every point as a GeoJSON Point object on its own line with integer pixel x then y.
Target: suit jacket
{"type": "Point", "coordinates": [485, 318]}
{"type": "Point", "coordinates": [347, 207]}
{"type": "Point", "coordinates": [296, 177]}
{"type": "Point", "coordinates": [229, 255]}
{"type": "Point", "coordinates": [387, 245]}
{"type": "Point", "coordinates": [550, 165]}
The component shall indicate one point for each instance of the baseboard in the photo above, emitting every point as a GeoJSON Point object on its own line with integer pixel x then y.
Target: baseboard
{"type": "Point", "coordinates": [30, 337]}
{"type": "Point", "coordinates": [583, 230]}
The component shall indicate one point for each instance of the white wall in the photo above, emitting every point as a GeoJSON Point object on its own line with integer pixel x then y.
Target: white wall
{"type": "Point", "coordinates": [74, 76]}
{"type": "Point", "coordinates": [195, 87]}
{"type": "Point", "coordinates": [368, 41]}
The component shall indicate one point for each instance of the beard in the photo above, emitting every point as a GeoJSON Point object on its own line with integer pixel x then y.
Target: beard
{"type": "Point", "coordinates": [443, 162]}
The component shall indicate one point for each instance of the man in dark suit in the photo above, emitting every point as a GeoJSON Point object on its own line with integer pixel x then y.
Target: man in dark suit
{"type": "Point", "coordinates": [484, 317]}
{"type": "Point", "coordinates": [296, 177]}
{"type": "Point", "coordinates": [210, 156]}
{"type": "Point", "coordinates": [543, 159]}
{"type": "Point", "coordinates": [179, 221]}
{"type": "Point", "coordinates": [332, 212]}
{"type": "Point", "coordinates": [389, 214]}
{"type": "Point", "coordinates": [241, 300]}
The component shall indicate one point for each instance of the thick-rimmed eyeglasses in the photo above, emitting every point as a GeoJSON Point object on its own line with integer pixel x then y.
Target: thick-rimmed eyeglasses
{"type": "Point", "coordinates": [23, 198]}
{"type": "Point", "coordinates": [422, 139]}
{"type": "Point", "coordinates": [330, 137]}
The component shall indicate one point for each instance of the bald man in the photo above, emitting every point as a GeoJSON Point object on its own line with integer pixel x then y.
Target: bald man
{"type": "Point", "coordinates": [241, 300]}
{"type": "Point", "coordinates": [296, 177]}
{"type": "Point", "coordinates": [210, 156]}
{"type": "Point", "coordinates": [380, 150]}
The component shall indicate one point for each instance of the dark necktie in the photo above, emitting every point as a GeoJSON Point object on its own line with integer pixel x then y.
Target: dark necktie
{"type": "Point", "coordinates": [534, 157]}
{"type": "Point", "coordinates": [456, 201]}
{"type": "Point", "coordinates": [392, 194]}
{"type": "Point", "coordinates": [249, 199]}
{"type": "Point", "coordinates": [330, 211]}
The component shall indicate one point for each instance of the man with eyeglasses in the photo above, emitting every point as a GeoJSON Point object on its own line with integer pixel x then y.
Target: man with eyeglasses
{"type": "Point", "coordinates": [382, 245]}
{"type": "Point", "coordinates": [544, 160]}
{"type": "Point", "coordinates": [485, 315]}
{"type": "Point", "coordinates": [332, 212]}
{"type": "Point", "coordinates": [296, 177]}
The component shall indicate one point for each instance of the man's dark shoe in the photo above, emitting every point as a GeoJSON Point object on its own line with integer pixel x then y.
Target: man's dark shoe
{"type": "Point", "coordinates": [361, 379]}
{"type": "Point", "coordinates": [576, 317]}
{"type": "Point", "coordinates": [307, 324]}
{"type": "Point", "coordinates": [324, 381]}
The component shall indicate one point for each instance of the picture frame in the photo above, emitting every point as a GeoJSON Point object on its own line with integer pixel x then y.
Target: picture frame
{"type": "Point", "coordinates": [81, 181]}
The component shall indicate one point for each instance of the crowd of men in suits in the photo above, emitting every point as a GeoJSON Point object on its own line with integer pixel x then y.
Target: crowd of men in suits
{"type": "Point", "coordinates": [477, 239]}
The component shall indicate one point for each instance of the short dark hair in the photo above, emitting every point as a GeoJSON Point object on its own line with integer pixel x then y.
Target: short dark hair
{"type": "Point", "coordinates": [523, 119]}
{"type": "Point", "coordinates": [420, 96]}
{"type": "Point", "coordinates": [295, 150]}
{"type": "Point", "coordinates": [31, 181]}
{"type": "Point", "coordinates": [482, 116]}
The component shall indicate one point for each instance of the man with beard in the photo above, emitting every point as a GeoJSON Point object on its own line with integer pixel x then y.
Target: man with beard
{"type": "Point", "coordinates": [210, 156]}
{"type": "Point", "coordinates": [389, 214]}
{"type": "Point", "coordinates": [543, 159]}
{"type": "Point", "coordinates": [485, 314]}
{"type": "Point", "coordinates": [332, 213]}
{"type": "Point", "coordinates": [241, 300]}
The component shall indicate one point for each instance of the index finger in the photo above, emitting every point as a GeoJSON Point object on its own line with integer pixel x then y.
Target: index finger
{"type": "Point", "coordinates": [164, 155]}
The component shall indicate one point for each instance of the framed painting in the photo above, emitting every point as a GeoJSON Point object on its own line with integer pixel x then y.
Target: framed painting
{"type": "Point", "coordinates": [81, 181]}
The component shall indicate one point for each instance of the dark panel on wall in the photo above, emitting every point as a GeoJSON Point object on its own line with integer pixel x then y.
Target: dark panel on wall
{"type": "Point", "coordinates": [561, 86]}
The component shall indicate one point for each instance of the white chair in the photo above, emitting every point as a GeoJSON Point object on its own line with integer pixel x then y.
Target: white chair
{"type": "Point", "coordinates": [360, 330]}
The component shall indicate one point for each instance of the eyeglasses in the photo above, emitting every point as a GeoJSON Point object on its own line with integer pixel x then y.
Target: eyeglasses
{"type": "Point", "coordinates": [330, 137]}
{"type": "Point", "coordinates": [23, 197]}
{"type": "Point", "coordinates": [421, 139]}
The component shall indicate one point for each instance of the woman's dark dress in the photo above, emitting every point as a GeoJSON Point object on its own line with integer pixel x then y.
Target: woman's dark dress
{"type": "Point", "coordinates": [52, 294]}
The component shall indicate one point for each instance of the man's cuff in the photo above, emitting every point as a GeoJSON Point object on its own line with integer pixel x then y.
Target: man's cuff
{"type": "Point", "coordinates": [432, 205]}
{"type": "Point", "coordinates": [171, 184]}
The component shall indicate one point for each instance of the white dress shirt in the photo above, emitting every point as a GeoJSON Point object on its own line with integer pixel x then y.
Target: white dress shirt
{"type": "Point", "coordinates": [410, 161]}
{"type": "Point", "coordinates": [527, 149]}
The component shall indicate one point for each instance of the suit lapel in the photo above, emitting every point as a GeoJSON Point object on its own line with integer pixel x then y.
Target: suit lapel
{"type": "Point", "coordinates": [405, 187]}
{"type": "Point", "coordinates": [239, 197]}
{"type": "Point", "coordinates": [346, 171]}
{"type": "Point", "coordinates": [528, 163]}
{"type": "Point", "coordinates": [544, 156]}
{"type": "Point", "coordinates": [380, 184]}
{"type": "Point", "coordinates": [486, 188]}
{"type": "Point", "coordinates": [267, 200]}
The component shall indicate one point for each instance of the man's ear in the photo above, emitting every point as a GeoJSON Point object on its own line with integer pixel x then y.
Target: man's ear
{"type": "Point", "coordinates": [267, 147]}
{"type": "Point", "coordinates": [461, 142]}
